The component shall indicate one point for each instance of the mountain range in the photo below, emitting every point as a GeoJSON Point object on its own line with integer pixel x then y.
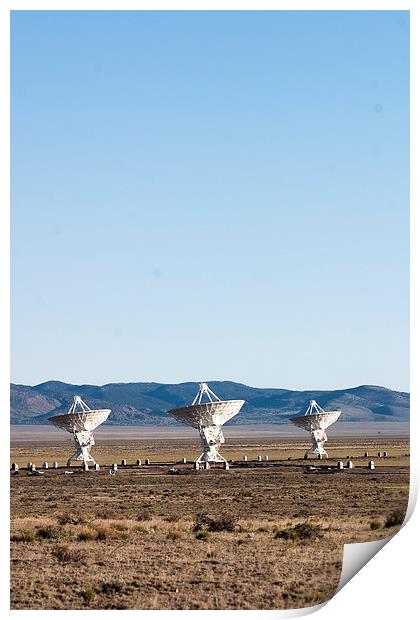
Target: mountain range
{"type": "Point", "coordinates": [148, 403]}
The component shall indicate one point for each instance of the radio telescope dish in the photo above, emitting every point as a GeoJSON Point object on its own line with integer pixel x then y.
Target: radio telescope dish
{"type": "Point", "coordinates": [208, 418]}
{"type": "Point", "coordinates": [81, 422]}
{"type": "Point", "coordinates": [316, 420]}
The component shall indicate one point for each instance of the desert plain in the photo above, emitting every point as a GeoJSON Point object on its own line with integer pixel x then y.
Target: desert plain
{"type": "Point", "coordinates": [261, 535]}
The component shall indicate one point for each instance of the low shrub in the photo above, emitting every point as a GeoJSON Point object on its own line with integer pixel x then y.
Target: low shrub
{"type": "Point", "coordinates": [65, 554]}
{"type": "Point", "coordinates": [23, 536]}
{"type": "Point", "coordinates": [46, 532]}
{"type": "Point", "coordinates": [375, 525]}
{"type": "Point", "coordinates": [86, 535]}
{"type": "Point", "coordinates": [111, 587]}
{"type": "Point", "coordinates": [87, 594]}
{"type": "Point", "coordinates": [102, 533]}
{"type": "Point", "coordinates": [301, 531]}
{"type": "Point", "coordinates": [173, 535]}
{"type": "Point", "coordinates": [202, 535]}
{"type": "Point", "coordinates": [222, 523]}
{"type": "Point", "coordinates": [141, 528]}
{"type": "Point", "coordinates": [395, 518]}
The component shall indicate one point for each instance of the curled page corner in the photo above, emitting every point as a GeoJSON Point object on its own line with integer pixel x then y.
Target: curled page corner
{"type": "Point", "coordinates": [356, 555]}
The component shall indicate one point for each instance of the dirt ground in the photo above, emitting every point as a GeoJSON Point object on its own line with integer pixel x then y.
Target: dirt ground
{"type": "Point", "coordinates": [263, 535]}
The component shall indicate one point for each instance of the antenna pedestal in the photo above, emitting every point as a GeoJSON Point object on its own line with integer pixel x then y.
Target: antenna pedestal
{"type": "Point", "coordinates": [319, 437]}
{"type": "Point", "coordinates": [83, 441]}
{"type": "Point", "coordinates": [211, 438]}
{"type": "Point", "coordinates": [208, 418]}
{"type": "Point", "coordinates": [316, 420]}
{"type": "Point", "coordinates": [81, 421]}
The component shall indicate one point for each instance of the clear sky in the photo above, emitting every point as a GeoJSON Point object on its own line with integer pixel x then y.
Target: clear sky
{"type": "Point", "coordinates": [210, 195]}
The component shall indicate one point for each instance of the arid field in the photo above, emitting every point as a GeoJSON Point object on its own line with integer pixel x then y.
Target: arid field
{"type": "Point", "coordinates": [263, 535]}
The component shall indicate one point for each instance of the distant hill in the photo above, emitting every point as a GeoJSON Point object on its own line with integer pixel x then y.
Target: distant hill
{"type": "Point", "coordinates": [147, 403]}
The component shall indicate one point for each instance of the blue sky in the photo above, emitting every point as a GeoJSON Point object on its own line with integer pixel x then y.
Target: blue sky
{"type": "Point", "coordinates": [211, 195]}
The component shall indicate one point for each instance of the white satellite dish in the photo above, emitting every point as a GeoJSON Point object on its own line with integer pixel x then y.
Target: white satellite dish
{"type": "Point", "coordinates": [208, 418]}
{"type": "Point", "coordinates": [316, 420]}
{"type": "Point", "coordinates": [81, 421]}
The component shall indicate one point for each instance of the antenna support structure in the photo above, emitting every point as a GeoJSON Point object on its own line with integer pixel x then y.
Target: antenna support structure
{"type": "Point", "coordinates": [211, 438]}
{"type": "Point", "coordinates": [207, 414]}
{"type": "Point", "coordinates": [80, 420]}
{"type": "Point", "coordinates": [316, 420]}
{"type": "Point", "coordinates": [211, 435]}
{"type": "Point", "coordinates": [83, 439]}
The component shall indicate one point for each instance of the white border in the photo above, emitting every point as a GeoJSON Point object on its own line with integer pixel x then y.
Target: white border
{"type": "Point", "coordinates": [387, 586]}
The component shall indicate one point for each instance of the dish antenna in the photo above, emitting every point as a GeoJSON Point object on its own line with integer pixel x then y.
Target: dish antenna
{"type": "Point", "coordinates": [208, 418]}
{"type": "Point", "coordinates": [316, 420]}
{"type": "Point", "coordinates": [81, 421]}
